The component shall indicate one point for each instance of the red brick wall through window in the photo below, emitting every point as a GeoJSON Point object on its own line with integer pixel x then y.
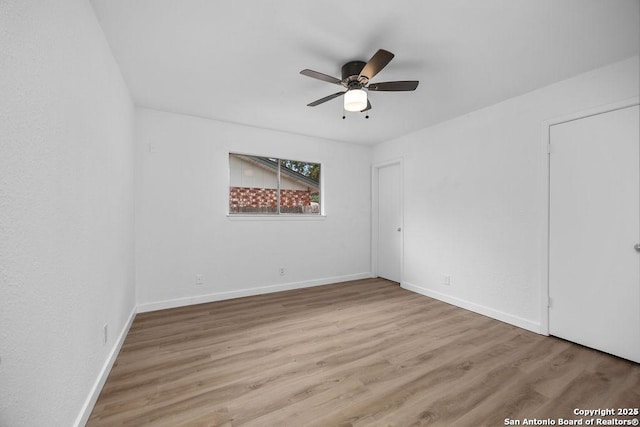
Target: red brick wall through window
{"type": "Point", "coordinates": [240, 197]}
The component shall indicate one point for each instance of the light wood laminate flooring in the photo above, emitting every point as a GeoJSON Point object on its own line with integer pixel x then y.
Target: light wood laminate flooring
{"type": "Point", "coordinates": [352, 354]}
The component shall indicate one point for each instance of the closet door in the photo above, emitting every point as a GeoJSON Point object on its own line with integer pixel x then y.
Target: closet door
{"type": "Point", "coordinates": [594, 224]}
{"type": "Point", "coordinates": [389, 222]}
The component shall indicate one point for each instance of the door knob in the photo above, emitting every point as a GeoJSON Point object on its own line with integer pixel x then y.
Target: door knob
{"type": "Point", "coordinates": [637, 247]}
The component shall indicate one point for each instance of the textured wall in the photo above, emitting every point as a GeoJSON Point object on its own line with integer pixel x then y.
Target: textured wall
{"type": "Point", "coordinates": [182, 199]}
{"type": "Point", "coordinates": [474, 202]}
{"type": "Point", "coordinates": [66, 208]}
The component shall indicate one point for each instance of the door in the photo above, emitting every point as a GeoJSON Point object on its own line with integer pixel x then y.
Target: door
{"type": "Point", "coordinates": [389, 222]}
{"type": "Point", "coordinates": [594, 223]}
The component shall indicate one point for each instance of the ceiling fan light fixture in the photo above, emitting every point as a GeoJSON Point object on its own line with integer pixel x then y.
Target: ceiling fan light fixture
{"type": "Point", "coordinates": [355, 100]}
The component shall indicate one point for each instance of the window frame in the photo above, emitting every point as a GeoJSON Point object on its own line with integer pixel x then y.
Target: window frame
{"type": "Point", "coordinates": [276, 216]}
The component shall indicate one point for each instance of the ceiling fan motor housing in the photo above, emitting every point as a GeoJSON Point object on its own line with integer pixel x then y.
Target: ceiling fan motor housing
{"type": "Point", "coordinates": [351, 70]}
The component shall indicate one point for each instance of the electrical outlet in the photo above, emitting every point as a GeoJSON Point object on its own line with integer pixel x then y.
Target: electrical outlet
{"type": "Point", "coordinates": [199, 279]}
{"type": "Point", "coordinates": [282, 271]}
{"type": "Point", "coordinates": [105, 333]}
{"type": "Point", "coordinates": [446, 280]}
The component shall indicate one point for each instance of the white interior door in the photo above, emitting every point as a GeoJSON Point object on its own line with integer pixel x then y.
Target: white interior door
{"type": "Point", "coordinates": [594, 223]}
{"type": "Point", "coordinates": [389, 222]}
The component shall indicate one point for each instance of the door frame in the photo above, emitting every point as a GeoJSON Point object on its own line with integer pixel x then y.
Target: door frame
{"type": "Point", "coordinates": [545, 212]}
{"type": "Point", "coordinates": [375, 173]}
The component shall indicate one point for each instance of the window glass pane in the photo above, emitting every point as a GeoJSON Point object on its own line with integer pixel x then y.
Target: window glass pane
{"type": "Point", "coordinates": [299, 187]}
{"type": "Point", "coordinates": [254, 185]}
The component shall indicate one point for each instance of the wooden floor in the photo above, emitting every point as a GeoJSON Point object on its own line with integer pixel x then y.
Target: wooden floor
{"type": "Point", "coordinates": [357, 353]}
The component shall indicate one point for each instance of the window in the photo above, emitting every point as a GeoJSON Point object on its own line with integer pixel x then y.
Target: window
{"type": "Point", "coordinates": [271, 186]}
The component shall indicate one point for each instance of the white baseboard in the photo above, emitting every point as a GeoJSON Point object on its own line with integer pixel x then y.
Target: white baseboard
{"type": "Point", "coordinates": [477, 308]}
{"type": "Point", "coordinates": [219, 296]}
{"type": "Point", "coordinates": [85, 413]}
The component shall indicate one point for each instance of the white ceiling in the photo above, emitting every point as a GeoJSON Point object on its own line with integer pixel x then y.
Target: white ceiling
{"type": "Point", "coordinates": [239, 61]}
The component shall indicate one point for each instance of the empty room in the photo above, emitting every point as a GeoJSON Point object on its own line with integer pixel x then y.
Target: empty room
{"type": "Point", "coordinates": [291, 213]}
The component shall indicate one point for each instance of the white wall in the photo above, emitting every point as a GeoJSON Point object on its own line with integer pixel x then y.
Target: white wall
{"type": "Point", "coordinates": [66, 209]}
{"type": "Point", "coordinates": [251, 175]}
{"type": "Point", "coordinates": [474, 196]}
{"type": "Point", "coordinates": [182, 228]}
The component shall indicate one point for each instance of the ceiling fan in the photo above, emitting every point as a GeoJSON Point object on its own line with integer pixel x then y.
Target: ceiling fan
{"type": "Point", "coordinates": [356, 78]}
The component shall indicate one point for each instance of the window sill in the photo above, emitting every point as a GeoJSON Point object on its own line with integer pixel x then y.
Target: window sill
{"type": "Point", "coordinates": [281, 217]}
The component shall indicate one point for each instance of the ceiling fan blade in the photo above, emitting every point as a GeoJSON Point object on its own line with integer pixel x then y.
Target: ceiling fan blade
{"type": "Point", "coordinates": [368, 107]}
{"type": "Point", "coordinates": [320, 76]}
{"type": "Point", "coordinates": [325, 99]}
{"type": "Point", "coordinates": [399, 86]}
{"type": "Point", "coordinates": [376, 63]}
